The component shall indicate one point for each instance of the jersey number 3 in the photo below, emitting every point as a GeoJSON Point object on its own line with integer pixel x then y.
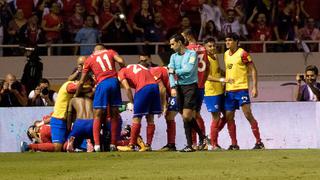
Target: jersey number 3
{"type": "Point", "coordinates": [201, 63]}
{"type": "Point", "coordinates": [103, 62]}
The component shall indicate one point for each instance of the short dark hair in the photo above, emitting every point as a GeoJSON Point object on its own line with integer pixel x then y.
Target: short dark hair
{"type": "Point", "coordinates": [188, 32]}
{"type": "Point", "coordinates": [233, 36]}
{"type": "Point", "coordinates": [312, 68]}
{"type": "Point", "coordinates": [44, 80]}
{"type": "Point", "coordinates": [209, 39]}
{"type": "Point", "coordinates": [144, 53]}
{"type": "Point", "coordinates": [178, 37]}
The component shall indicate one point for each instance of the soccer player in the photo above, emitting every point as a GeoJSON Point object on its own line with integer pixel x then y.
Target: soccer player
{"type": "Point", "coordinates": [214, 92]}
{"type": "Point", "coordinates": [203, 69]}
{"type": "Point", "coordinates": [183, 76]}
{"type": "Point", "coordinates": [169, 105]}
{"type": "Point", "coordinates": [238, 62]}
{"type": "Point", "coordinates": [102, 64]}
{"type": "Point", "coordinates": [83, 124]}
{"type": "Point", "coordinates": [146, 101]}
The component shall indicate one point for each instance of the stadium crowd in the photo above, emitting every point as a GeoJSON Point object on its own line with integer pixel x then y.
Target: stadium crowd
{"type": "Point", "coordinates": [31, 22]}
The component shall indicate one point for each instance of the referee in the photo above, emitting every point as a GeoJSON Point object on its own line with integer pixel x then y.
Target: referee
{"type": "Point", "coordinates": [183, 76]}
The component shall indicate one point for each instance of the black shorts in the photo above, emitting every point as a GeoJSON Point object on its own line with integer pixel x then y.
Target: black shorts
{"type": "Point", "coordinates": [187, 96]}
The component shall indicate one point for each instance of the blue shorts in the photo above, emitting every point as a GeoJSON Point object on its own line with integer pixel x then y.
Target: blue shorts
{"type": "Point", "coordinates": [214, 103]}
{"type": "Point", "coordinates": [147, 101]}
{"type": "Point", "coordinates": [172, 104]}
{"type": "Point", "coordinates": [200, 97]}
{"type": "Point", "coordinates": [82, 129]}
{"type": "Point", "coordinates": [234, 100]}
{"type": "Point", "coordinates": [107, 93]}
{"type": "Point", "coordinates": [58, 130]}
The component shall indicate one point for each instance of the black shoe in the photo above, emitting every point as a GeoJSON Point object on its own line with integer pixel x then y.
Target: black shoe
{"type": "Point", "coordinates": [259, 145]}
{"type": "Point", "coordinates": [169, 147]}
{"type": "Point", "coordinates": [233, 147]}
{"type": "Point", "coordinates": [187, 149]}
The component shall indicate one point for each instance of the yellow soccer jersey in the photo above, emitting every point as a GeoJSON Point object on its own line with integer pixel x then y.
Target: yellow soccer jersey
{"type": "Point", "coordinates": [236, 69]}
{"type": "Point", "coordinates": [61, 104]}
{"type": "Point", "coordinates": [212, 88]}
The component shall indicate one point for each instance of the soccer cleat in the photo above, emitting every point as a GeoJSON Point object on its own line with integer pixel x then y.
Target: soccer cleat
{"type": "Point", "coordinates": [187, 149]}
{"type": "Point", "coordinates": [233, 147]}
{"type": "Point", "coordinates": [145, 148]}
{"type": "Point", "coordinates": [113, 148]}
{"type": "Point", "coordinates": [169, 147]}
{"type": "Point", "coordinates": [90, 147]}
{"type": "Point", "coordinates": [70, 147]}
{"type": "Point", "coordinates": [140, 143]}
{"type": "Point", "coordinates": [259, 145]}
{"type": "Point", "coordinates": [97, 148]}
{"type": "Point", "coordinates": [128, 148]}
{"type": "Point", "coordinates": [24, 146]}
{"type": "Point", "coordinates": [216, 148]}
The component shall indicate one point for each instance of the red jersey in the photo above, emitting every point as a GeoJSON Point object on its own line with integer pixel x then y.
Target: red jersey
{"type": "Point", "coordinates": [45, 134]}
{"type": "Point", "coordinates": [137, 76]}
{"type": "Point", "coordinates": [161, 74]}
{"type": "Point", "coordinates": [26, 6]}
{"type": "Point", "coordinates": [102, 64]}
{"type": "Point", "coordinates": [203, 63]}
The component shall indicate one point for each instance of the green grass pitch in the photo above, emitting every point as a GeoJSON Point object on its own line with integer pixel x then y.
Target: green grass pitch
{"type": "Point", "coordinates": [247, 165]}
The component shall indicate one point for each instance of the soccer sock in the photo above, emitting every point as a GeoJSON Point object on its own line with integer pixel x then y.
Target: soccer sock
{"type": "Point", "coordinates": [232, 132]}
{"type": "Point", "coordinates": [195, 126]}
{"type": "Point", "coordinates": [171, 131]}
{"type": "Point", "coordinates": [187, 131]}
{"type": "Point", "coordinates": [114, 130]}
{"type": "Point", "coordinates": [255, 130]}
{"type": "Point", "coordinates": [222, 123]}
{"type": "Point", "coordinates": [194, 137]}
{"type": "Point", "coordinates": [96, 131]}
{"type": "Point", "coordinates": [135, 131]}
{"type": "Point", "coordinates": [201, 125]}
{"type": "Point", "coordinates": [150, 132]}
{"type": "Point", "coordinates": [123, 142]}
{"type": "Point", "coordinates": [46, 147]}
{"type": "Point", "coordinates": [214, 132]}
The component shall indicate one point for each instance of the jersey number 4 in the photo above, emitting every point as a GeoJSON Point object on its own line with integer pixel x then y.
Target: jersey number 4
{"type": "Point", "coordinates": [103, 62]}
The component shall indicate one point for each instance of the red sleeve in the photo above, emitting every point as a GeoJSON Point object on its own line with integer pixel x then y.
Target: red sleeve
{"type": "Point", "coordinates": [121, 74]}
{"type": "Point", "coordinates": [71, 88]}
{"type": "Point", "coordinates": [112, 52]}
{"type": "Point", "coordinates": [86, 66]}
{"type": "Point", "coordinates": [246, 58]}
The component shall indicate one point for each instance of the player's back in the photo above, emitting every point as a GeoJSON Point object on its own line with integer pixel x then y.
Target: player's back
{"type": "Point", "coordinates": [137, 76]}
{"type": "Point", "coordinates": [102, 64]}
{"type": "Point", "coordinates": [83, 107]}
{"type": "Point", "coordinates": [161, 74]}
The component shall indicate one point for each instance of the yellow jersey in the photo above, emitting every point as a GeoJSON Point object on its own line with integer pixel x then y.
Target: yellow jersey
{"type": "Point", "coordinates": [236, 69]}
{"type": "Point", "coordinates": [61, 105]}
{"type": "Point", "coordinates": [212, 88]}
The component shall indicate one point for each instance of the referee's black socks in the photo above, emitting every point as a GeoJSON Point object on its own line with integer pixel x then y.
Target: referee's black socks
{"type": "Point", "coordinates": [187, 130]}
{"type": "Point", "coordinates": [196, 127]}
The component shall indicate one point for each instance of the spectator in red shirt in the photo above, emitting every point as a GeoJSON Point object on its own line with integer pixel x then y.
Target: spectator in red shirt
{"type": "Point", "coordinates": [52, 24]}
{"type": "Point", "coordinates": [310, 32]}
{"type": "Point", "coordinates": [26, 6]}
{"type": "Point", "coordinates": [75, 22]}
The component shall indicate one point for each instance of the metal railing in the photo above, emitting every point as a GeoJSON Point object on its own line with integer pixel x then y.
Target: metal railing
{"type": "Point", "coordinates": [157, 45]}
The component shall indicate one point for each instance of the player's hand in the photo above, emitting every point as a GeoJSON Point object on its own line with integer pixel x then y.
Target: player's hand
{"type": "Point", "coordinates": [173, 92]}
{"type": "Point", "coordinates": [254, 93]}
{"type": "Point", "coordinates": [130, 106]}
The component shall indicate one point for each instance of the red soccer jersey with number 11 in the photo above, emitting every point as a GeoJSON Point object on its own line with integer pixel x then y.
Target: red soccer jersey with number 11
{"type": "Point", "coordinates": [137, 76]}
{"type": "Point", "coordinates": [203, 63]}
{"type": "Point", "coordinates": [102, 64]}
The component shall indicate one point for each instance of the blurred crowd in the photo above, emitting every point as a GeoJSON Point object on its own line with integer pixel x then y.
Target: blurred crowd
{"type": "Point", "coordinates": [32, 22]}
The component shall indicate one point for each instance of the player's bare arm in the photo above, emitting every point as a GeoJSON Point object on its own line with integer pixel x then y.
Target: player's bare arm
{"type": "Point", "coordinates": [70, 115]}
{"type": "Point", "coordinates": [163, 96]}
{"type": "Point", "coordinates": [254, 75]}
{"type": "Point", "coordinates": [119, 60]}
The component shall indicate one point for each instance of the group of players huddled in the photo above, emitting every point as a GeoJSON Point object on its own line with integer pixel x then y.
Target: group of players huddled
{"type": "Point", "coordinates": [86, 114]}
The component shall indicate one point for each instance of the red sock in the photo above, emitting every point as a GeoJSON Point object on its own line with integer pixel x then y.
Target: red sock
{"type": "Point", "coordinates": [114, 130]}
{"type": "Point", "coordinates": [123, 142]}
{"type": "Point", "coordinates": [222, 123]}
{"type": "Point", "coordinates": [171, 131]}
{"type": "Point", "coordinates": [201, 125]}
{"type": "Point", "coordinates": [46, 147]}
{"type": "Point", "coordinates": [255, 130]}
{"type": "Point", "coordinates": [194, 137]}
{"type": "Point", "coordinates": [96, 131]}
{"type": "Point", "coordinates": [214, 132]}
{"type": "Point", "coordinates": [232, 132]}
{"type": "Point", "coordinates": [150, 132]}
{"type": "Point", "coordinates": [135, 131]}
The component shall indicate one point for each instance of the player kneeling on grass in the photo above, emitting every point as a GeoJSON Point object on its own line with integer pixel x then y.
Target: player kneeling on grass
{"type": "Point", "coordinates": [146, 101]}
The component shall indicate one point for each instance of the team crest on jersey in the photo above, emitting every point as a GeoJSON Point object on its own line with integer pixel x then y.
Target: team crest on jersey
{"type": "Point", "coordinates": [229, 66]}
{"type": "Point", "coordinates": [192, 60]}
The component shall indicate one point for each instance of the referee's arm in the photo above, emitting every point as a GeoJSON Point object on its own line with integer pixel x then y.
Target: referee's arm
{"type": "Point", "coordinates": [188, 66]}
